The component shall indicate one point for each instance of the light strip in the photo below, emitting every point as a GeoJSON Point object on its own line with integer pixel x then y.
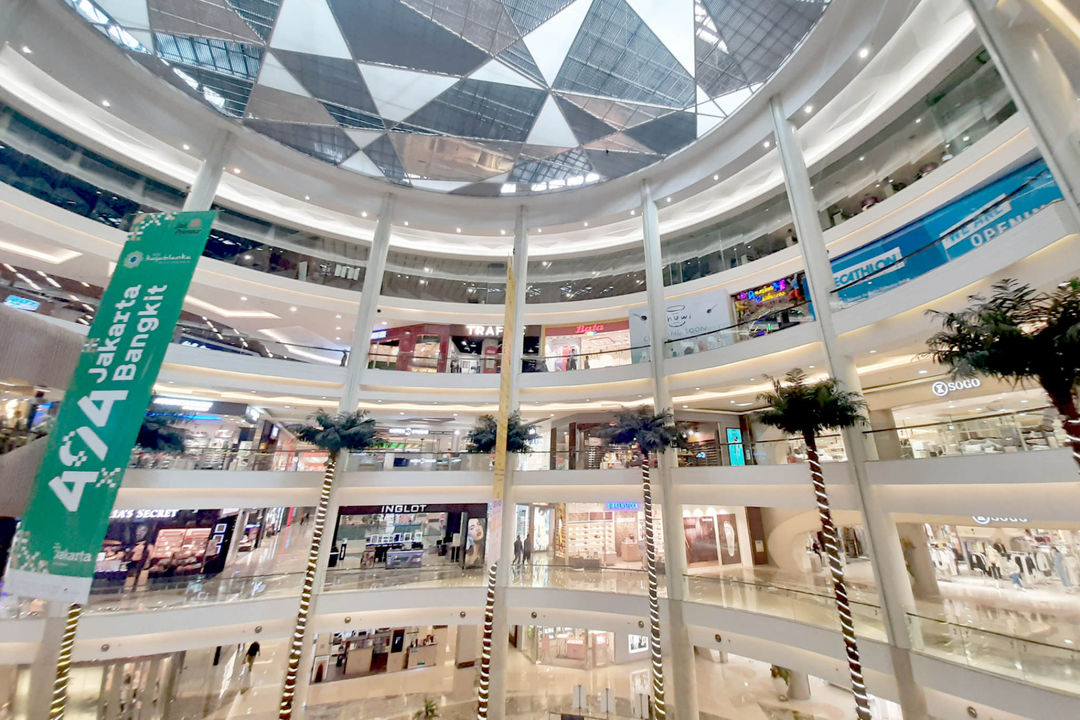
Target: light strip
{"type": "Point", "coordinates": [54, 257]}
{"type": "Point", "coordinates": [299, 352]}
{"type": "Point", "coordinates": [203, 304]}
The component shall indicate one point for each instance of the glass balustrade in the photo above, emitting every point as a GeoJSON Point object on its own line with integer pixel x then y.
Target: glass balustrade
{"type": "Point", "coordinates": [625, 581]}
{"type": "Point", "coordinates": [813, 607]}
{"type": "Point", "coordinates": [1039, 663]}
{"type": "Point", "coordinates": [172, 592]}
{"type": "Point", "coordinates": [382, 578]}
{"type": "Point", "coordinates": [962, 109]}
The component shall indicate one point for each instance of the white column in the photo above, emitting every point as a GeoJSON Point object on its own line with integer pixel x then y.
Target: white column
{"type": "Point", "coordinates": [43, 669]}
{"type": "Point", "coordinates": [204, 186]}
{"type": "Point", "coordinates": [1015, 32]}
{"type": "Point", "coordinates": [514, 327]}
{"type": "Point", "coordinates": [680, 678]}
{"type": "Point", "coordinates": [886, 556]}
{"type": "Point", "coordinates": [350, 396]}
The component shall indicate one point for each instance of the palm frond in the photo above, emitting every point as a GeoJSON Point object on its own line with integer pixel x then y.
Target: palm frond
{"type": "Point", "coordinates": [159, 433]}
{"type": "Point", "coordinates": [1015, 334]}
{"type": "Point", "coordinates": [333, 433]}
{"type": "Point", "coordinates": [798, 407]}
{"type": "Point", "coordinates": [519, 435]}
{"type": "Point", "coordinates": [651, 432]}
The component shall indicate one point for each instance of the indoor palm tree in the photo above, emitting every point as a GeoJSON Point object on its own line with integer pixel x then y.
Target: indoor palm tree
{"type": "Point", "coordinates": [1019, 334]}
{"type": "Point", "coordinates": [159, 433]}
{"type": "Point", "coordinates": [650, 434]}
{"type": "Point", "coordinates": [481, 438]}
{"type": "Point", "coordinates": [333, 433]}
{"type": "Point", "coordinates": [798, 407]}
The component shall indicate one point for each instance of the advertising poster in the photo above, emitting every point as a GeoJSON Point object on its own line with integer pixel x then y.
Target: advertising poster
{"type": "Point", "coordinates": [687, 319]}
{"type": "Point", "coordinates": [475, 542]}
{"type": "Point", "coordinates": [963, 225]}
{"type": "Point", "coordinates": [700, 534]}
{"type": "Point", "coordinates": [729, 539]}
{"type": "Point", "coordinates": [55, 548]}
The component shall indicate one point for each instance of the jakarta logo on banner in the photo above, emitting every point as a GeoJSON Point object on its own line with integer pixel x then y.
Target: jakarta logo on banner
{"type": "Point", "coordinates": [687, 318]}
{"type": "Point", "coordinates": [56, 545]}
{"type": "Point", "coordinates": [963, 225]}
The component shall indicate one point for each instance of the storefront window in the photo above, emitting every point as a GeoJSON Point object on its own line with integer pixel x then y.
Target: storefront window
{"type": "Point", "coordinates": [586, 345]}
{"type": "Point", "coordinates": [603, 535]}
{"type": "Point", "coordinates": [361, 653]}
{"type": "Point", "coordinates": [775, 306]}
{"type": "Point", "coordinates": [410, 536]}
{"type": "Point", "coordinates": [569, 647]}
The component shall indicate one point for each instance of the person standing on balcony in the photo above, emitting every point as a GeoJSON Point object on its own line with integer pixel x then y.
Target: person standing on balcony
{"type": "Point", "coordinates": [527, 549]}
{"type": "Point", "coordinates": [517, 550]}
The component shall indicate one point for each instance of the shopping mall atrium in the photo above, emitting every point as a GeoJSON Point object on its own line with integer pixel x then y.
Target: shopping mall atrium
{"type": "Point", "coordinates": [394, 359]}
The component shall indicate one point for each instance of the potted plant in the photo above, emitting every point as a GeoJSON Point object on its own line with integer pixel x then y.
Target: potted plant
{"type": "Point", "coordinates": [1019, 334]}
{"type": "Point", "coordinates": [333, 433]}
{"type": "Point", "coordinates": [781, 681]}
{"type": "Point", "coordinates": [798, 407]}
{"type": "Point", "coordinates": [651, 433]}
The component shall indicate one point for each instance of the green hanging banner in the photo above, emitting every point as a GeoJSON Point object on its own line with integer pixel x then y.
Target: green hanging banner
{"type": "Point", "coordinates": [56, 546]}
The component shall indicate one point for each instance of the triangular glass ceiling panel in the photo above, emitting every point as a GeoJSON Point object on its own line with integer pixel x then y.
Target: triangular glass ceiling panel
{"type": "Point", "coordinates": [619, 115]}
{"type": "Point", "coordinates": [672, 21]}
{"type": "Point", "coordinates": [412, 40]}
{"type": "Point", "coordinates": [667, 134]}
{"type": "Point", "coordinates": [239, 60]}
{"type": "Point", "coordinates": [616, 164]}
{"type": "Point", "coordinates": [274, 74]}
{"type": "Point", "coordinates": [347, 117]}
{"type": "Point", "coordinates": [550, 42]}
{"type": "Point", "coordinates": [760, 34]}
{"type": "Point", "coordinates": [334, 80]}
{"type": "Point", "coordinates": [260, 15]}
{"type": "Point", "coordinates": [619, 142]}
{"type": "Point", "coordinates": [228, 95]}
{"type": "Point", "coordinates": [202, 18]}
{"type": "Point", "coordinates": [441, 158]}
{"type": "Point", "coordinates": [484, 23]}
{"type": "Point", "coordinates": [518, 56]}
{"type": "Point", "coordinates": [531, 14]}
{"type": "Point", "coordinates": [551, 128]}
{"type": "Point", "coordinates": [399, 93]}
{"type": "Point", "coordinates": [326, 143]}
{"type": "Point", "coordinates": [308, 26]}
{"type": "Point", "coordinates": [616, 55]}
{"type": "Point", "coordinates": [267, 103]}
{"type": "Point", "coordinates": [586, 127]}
{"type": "Point", "coordinates": [570, 164]}
{"type": "Point", "coordinates": [382, 153]}
{"type": "Point", "coordinates": [497, 72]}
{"type": "Point", "coordinates": [477, 109]}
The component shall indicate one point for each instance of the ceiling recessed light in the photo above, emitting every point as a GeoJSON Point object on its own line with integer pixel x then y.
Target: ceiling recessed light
{"type": "Point", "coordinates": [539, 230]}
{"type": "Point", "coordinates": [406, 223]}
{"type": "Point", "coordinates": [862, 158]}
{"type": "Point", "coordinates": [338, 316]}
{"type": "Point", "coordinates": [363, 213]}
{"type": "Point", "coordinates": [26, 50]}
{"type": "Point", "coordinates": [292, 308]}
{"type": "Point", "coordinates": [236, 171]}
{"type": "Point", "coordinates": [307, 197]}
{"type": "Point", "coordinates": [186, 146]}
{"type": "Point", "coordinates": [457, 229]}
{"type": "Point", "coordinates": [864, 53]}
{"type": "Point", "coordinates": [586, 223]}
{"type": "Point", "coordinates": [106, 103]}
{"type": "Point", "coordinates": [918, 120]}
{"type": "Point", "coordinates": [401, 413]}
{"type": "Point", "coordinates": [668, 199]}
{"type": "Point", "coordinates": [338, 327]}
{"type": "Point", "coordinates": [715, 177]}
{"type": "Point", "coordinates": [923, 372]}
{"type": "Point", "coordinates": [808, 109]}
{"type": "Point", "coordinates": [337, 338]}
{"type": "Point", "coordinates": [243, 298]}
{"type": "Point", "coordinates": [752, 379]}
{"type": "Point", "coordinates": [502, 232]}
{"type": "Point", "coordinates": [873, 351]}
{"type": "Point", "coordinates": [685, 406]}
{"type": "Point", "coordinates": [633, 212]}
{"type": "Point", "coordinates": [767, 144]}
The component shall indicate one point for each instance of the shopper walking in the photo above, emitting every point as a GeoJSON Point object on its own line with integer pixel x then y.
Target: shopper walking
{"type": "Point", "coordinates": [517, 550]}
{"type": "Point", "coordinates": [526, 552]}
{"type": "Point", "coordinates": [253, 652]}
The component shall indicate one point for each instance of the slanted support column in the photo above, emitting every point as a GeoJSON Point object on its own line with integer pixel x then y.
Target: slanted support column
{"type": "Point", "coordinates": [886, 556]}
{"type": "Point", "coordinates": [510, 373]}
{"type": "Point", "coordinates": [680, 680]}
{"type": "Point", "coordinates": [204, 187]}
{"type": "Point", "coordinates": [350, 396]}
{"type": "Point", "coordinates": [1016, 32]}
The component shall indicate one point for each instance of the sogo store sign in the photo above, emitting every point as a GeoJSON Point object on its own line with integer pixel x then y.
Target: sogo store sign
{"type": "Point", "coordinates": [942, 388]}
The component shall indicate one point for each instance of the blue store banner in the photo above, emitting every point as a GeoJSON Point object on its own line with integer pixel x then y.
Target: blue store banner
{"type": "Point", "coordinates": [945, 234]}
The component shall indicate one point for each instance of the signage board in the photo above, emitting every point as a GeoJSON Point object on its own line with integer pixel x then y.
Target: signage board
{"type": "Point", "coordinates": [736, 454]}
{"type": "Point", "coordinates": [963, 225]}
{"type": "Point", "coordinates": [20, 303]}
{"type": "Point", "coordinates": [941, 388]}
{"type": "Point", "coordinates": [52, 555]}
{"type": "Point", "coordinates": [688, 319]}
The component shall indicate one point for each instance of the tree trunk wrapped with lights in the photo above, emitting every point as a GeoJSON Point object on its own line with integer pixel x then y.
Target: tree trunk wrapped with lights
{"type": "Point", "coordinates": [659, 707]}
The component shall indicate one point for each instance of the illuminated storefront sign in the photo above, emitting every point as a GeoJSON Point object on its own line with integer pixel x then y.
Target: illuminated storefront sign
{"type": "Point", "coordinates": [21, 303]}
{"type": "Point", "coordinates": [484, 330]}
{"type": "Point", "coordinates": [942, 388]}
{"type": "Point", "coordinates": [986, 520]}
{"type": "Point", "coordinates": [623, 505]}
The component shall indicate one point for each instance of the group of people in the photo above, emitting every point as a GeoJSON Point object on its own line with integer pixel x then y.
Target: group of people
{"type": "Point", "coordinates": [523, 550]}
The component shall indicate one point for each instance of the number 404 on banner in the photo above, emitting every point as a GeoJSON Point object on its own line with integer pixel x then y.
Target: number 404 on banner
{"type": "Point", "coordinates": [59, 536]}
